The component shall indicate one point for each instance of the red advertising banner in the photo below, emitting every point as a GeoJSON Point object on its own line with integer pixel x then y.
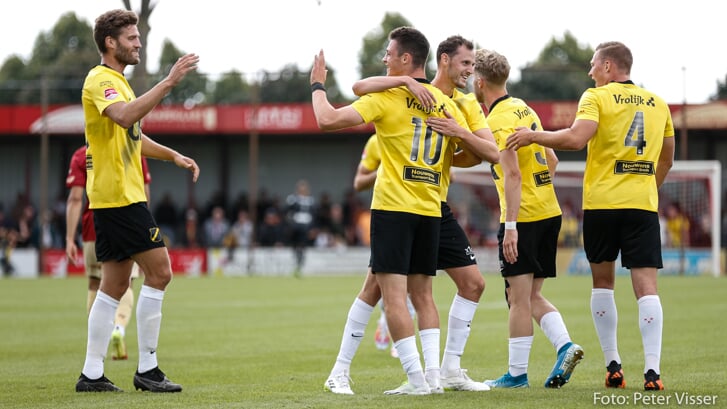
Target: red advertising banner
{"type": "Point", "coordinates": [191, 262]}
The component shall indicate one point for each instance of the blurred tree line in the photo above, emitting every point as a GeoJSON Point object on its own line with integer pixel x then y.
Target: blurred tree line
{"type": "Point", "coordinates": [63, 56]}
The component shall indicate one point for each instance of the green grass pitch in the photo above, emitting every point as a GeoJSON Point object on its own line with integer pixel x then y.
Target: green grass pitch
{"type": "Point", "coordinates": [255, 342]}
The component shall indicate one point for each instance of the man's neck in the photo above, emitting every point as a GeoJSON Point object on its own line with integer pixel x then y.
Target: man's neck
{"type": "Point", "coordinates": [113, 64]}
{"type": "Point", "coordinates": [493, 95]}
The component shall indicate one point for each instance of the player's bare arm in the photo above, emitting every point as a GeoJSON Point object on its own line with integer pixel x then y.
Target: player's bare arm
{"type": "Point", "coordinates": [382, 83]}
{"type": "Point", "coordinates": [574, 138]}
{"type": "Point", "coordinates": [126, 114]}
{"type": "Point", "coordinates": [364, 178]}
{"type": "Point", "coordinates": [328, 117]}
{"type": "Point", "coordinates": [74, 204]}
{"type": "Point", "coordinates": [666, 161]}
{"type": "Point", "coordinates": [152, 149]}
{"type": "Point", "coordinates": [477, 143]}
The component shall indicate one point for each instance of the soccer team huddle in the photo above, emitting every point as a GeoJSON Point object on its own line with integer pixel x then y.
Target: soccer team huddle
{"type": "Point", "coordinates": [423, 129]}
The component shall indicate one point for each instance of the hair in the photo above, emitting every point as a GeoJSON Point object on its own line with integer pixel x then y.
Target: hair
{"type": "Point", "coordinates": [110, 24]}
{"type": "Point", "coordinates": [412, 41]}
{"type": "Point", "coordinates": [618, 53]}
{"type": "Point", "coordinates": [492, 66]}
{"type": "Point", "coordinates": [452, 44]}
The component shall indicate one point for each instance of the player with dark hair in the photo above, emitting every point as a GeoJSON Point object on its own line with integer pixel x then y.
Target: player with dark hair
{"type": "Point", "coordinates": [455, 62]}
{"type": "Point", "coordinates": [77, 210]}
{"type": "Point", "coordinates": [406, 209]}
{"type": "Point", "coordinates": [125, 229]}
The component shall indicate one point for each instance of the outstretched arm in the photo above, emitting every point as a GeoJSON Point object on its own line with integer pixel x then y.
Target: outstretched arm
{"type": "Point", "coordinates": [574, 138]}
{"type": "Point", "coordinates": [126, 114]}
{"type": "Point", "coordinates": [328, 117]}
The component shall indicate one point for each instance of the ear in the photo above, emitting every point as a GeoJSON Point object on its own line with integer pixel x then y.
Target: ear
{"type": "Point", "coordinates": [110, 42]}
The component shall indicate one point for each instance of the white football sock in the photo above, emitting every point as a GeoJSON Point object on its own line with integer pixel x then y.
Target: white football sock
{"type": "Point", "coordinates": [358, 317]}
{"type": "Point", "coordinates": [651, 322]}
{"type": "Point", "coordinates": [519, 349]}
{"type": "Point", "coordinates": [461, 314]}
{"type": "Point", "coordinates": [554, 329]}
{"type": "Point", "coordinates": [605, 319]}
{"type": "Point", "coordinates": [100, 327]}
{"type": "Point", "coordinates": [148, 324]}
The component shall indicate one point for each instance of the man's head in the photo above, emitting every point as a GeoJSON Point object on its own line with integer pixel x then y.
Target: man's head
{"type": "Point", "coordinates": [116, 31]}
{"type": "Point", "coordinates": [611, 61]}
{"type": "Point", "coordinates": [491, 70]}
{"type": "Point", "coordinates": [456, 57]}
{"type": "Point", "coordinates": [407, 51]}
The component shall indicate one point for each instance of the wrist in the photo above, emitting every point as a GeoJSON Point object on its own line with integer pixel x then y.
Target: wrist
{"type": "Point", "coordinates": [510, 225]}
{"type": "Point", "coordinates": [317, 86]}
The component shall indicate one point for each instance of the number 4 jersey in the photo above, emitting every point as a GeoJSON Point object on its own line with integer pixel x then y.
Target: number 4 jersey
{"type": "Point", "coordinates": [624, 152]}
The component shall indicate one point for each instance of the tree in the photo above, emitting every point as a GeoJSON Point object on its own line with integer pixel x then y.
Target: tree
{"type": "Point", "coordinates": [374, 47]}
{"type": "Point", "coordinates": [559, 73]}
{"type": "Point", "coordinates": [63, 56]}
{"type": "Point", "coordinates": [721, 90]}
{"type": "Point", "coordinates": [190, 91]}
{"type": "Point", "coordinates": [140, 80]}
{"type": "Point", "coordinates": [231, 88]}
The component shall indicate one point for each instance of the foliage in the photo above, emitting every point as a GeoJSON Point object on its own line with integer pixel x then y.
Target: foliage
{"type": "Point", "coordinates": [560, 72]}
{"type": "Point", "coordinates": [190, 91]}
{"type": "Point", "coordinates": [63, 56]}
{"type": "Point", "coordinates": [721, 90]}
{"type": "Point", "coordinates": [374, 45]}
{"type": "Point", "coordinates": [231, 88]}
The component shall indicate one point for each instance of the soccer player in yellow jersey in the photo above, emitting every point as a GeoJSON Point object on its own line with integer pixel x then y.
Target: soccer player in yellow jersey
{"type": "Point", "coordinates": [455, 62]}
{"type": "Point", "coordinates": [405, 208]}
{"type": "Point", "coordinates": [530, 220]}
{"type": "Point", "coordinates": [125, 230]}
{"type": "Point", "coordinates": [630, 138]}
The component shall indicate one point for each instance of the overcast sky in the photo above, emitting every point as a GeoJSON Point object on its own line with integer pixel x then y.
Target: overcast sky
{"type": "Point", "coordinates": [679, 48]}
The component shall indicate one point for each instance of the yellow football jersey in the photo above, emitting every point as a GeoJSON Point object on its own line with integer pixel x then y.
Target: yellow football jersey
{"type": "Point", "coordinates": [412, 154]}
{"type": "Point", "coordinates": [623, 154]}
{"type": "Point", "coordinates": [538, 200]}
{"type": "Point", "coordinates": [113, 157]}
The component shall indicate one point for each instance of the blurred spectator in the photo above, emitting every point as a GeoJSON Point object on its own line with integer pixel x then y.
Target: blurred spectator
{"type": "Point", "coordinates": [333, 233]}
{"type": "Point", "coordinates": [350, 208]}
{"type": "Point", "coordinates": [323, 219]}
{"type": "Point", "coordinates": [25, 223]}
{"type": "Point", "coordinates": [45, 232]}
{"type": "Point", "coordinates": [300, 207]}
{"type": "Point", "coordinates": [7, 243]}
{"type": "Point", "coordinates": [240, 234]}
{"type": "Point", "coordinates": [363, 226]}
{"type": "Point", "coordinates": [677, 226]}
{"type": "Point", "coordinates": [216, 228]}
{"type": "Point", "coordinates": [570, 232]}
{"type": "Point", "coordinates": [191, 225]}
{"type": "Point", "coordinates": [271, 232]}
{"type": "Point", "coordinates": [166, 217]}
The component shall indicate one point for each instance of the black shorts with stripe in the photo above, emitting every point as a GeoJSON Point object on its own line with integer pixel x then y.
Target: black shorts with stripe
{"type": "Point", "coordinates": [454, 246]}
{"type": "Point", "coordinates": [124, 231]}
